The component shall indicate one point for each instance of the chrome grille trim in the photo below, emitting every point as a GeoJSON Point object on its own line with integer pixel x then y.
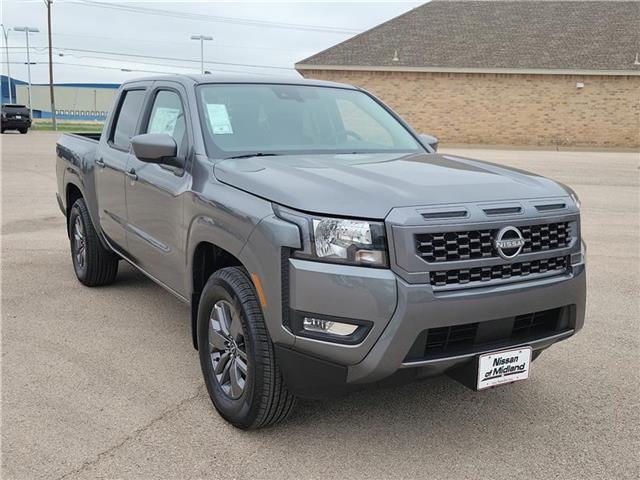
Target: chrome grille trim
{"type": "Point", "coordinates": [450, 246]}
{"type": "Point", "coordinates": [517, 270]}
{"type": "Point", "coordinates": [548, 235]}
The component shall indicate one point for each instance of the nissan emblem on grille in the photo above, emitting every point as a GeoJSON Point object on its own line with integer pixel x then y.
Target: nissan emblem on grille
{"type": "Point", "coordinates": [509, 242]}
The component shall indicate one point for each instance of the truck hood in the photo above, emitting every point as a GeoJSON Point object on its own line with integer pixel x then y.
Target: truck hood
{"type": "Point", "coordinates": [369, 186]}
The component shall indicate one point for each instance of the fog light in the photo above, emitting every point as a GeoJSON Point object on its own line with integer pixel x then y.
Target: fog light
{"type": "Point", "coordinates": [319, 325]}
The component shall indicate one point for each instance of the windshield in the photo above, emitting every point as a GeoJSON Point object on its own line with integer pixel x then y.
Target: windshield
{"type": "Point", "coordinates": [247, 119]}
{"type": "Point", "coordinates": [13, 107]}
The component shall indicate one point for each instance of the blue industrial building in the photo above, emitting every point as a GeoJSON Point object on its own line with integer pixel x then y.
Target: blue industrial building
{"type": "Point", "coordinates": [74, 101]}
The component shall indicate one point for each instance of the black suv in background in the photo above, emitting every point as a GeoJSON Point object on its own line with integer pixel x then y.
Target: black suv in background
{"type": "Point", "coordinates": [15, 117]}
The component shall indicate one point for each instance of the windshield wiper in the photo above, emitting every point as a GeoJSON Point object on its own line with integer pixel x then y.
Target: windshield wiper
{"type": "Point", "coordinates": [257, 154]}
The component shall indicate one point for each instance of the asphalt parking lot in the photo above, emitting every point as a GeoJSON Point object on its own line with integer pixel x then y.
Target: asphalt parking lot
{"type": "Point", "coordinates": [104, 383]}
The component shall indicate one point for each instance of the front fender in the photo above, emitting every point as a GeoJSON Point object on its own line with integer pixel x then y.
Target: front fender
{"type": "Point", "coordinates": [266, 255]}
{"type": "Point", "coordinates": [222, 216]}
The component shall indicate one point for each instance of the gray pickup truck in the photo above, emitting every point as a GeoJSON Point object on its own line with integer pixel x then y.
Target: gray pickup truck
{"type": "Point", "coordinates": [322, 244]}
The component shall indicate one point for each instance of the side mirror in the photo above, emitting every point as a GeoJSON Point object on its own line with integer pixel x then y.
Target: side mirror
{"type": "Point", "coordinates": [430, 140]}
{"type": "Point", "coordinates": [158, 148]}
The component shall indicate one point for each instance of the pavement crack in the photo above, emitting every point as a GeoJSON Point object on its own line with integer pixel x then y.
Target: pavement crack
{"type": "Point", "coordinates": [136, 433]}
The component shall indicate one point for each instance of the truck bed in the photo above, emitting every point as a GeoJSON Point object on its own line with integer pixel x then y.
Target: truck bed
{"type": "Point", "coordinates": [92, 136]}
{"type": "Point", "coordinates": [78, 149]}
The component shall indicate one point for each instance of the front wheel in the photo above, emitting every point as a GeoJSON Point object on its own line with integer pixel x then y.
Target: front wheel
{"type": "Point", "coordinates": [236, 354]}
{"type": "Point", "coordinates": [23, 130]}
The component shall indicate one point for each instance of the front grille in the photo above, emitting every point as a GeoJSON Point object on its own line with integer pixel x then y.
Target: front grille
{"type": "Point", "coordinates": [471, 337]}
{"type": "Point", "coordinates": [498, 272]}
{"type": "Point", "coordinates": [474, 244]}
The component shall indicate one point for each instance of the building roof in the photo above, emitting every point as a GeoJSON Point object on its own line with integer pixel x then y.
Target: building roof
{"type": "Point", "coordinates": [489, 35]}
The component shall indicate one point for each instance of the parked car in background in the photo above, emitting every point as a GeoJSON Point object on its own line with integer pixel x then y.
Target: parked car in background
{"type": "Point", "coordinates": [15, 117]}
{"type": "Point", "coordinates": [320, 241]}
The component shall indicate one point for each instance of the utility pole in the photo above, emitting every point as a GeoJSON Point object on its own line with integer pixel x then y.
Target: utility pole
{"type": "Point", "coordinates": [5, 31]}
{"type": "Point", "coordinates": [202, 38]}
{"type": "Point", "coordinates": [53, 102]}
{"type": "Point", "coordinates": [27, 31]}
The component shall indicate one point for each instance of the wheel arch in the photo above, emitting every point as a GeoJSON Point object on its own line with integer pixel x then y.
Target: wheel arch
{"type": "Point", "coordinates": [71, 195]}
{"type": "Point", "coordinates": [207, 259]}
{"type": "Point", "coordinates": [72, 192]}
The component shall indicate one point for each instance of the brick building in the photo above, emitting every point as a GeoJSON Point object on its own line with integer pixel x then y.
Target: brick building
{"type": "Point", "coordinates": [548, 73]}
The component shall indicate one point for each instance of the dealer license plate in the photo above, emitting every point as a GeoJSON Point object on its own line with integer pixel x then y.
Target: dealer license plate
{"type": "Point", "coordinates": [507, 366]}
{"type": "Point", "coordinates": [18, 117]}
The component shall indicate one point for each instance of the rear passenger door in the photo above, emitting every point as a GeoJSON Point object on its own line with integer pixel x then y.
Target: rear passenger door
{"type": "Point", "coordinates": [155, 201]}
{"type": "Point", "coordinates": [111, 166]}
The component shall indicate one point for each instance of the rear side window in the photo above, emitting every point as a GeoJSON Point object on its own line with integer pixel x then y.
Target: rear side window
{"type": "Point", "coordinates": [127, 119]}
{"type": "Point", "coordinates": [19, 109]}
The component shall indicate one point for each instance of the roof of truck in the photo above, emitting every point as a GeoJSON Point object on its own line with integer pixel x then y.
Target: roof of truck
{"type": "Point", "coordinates": [239, 78]}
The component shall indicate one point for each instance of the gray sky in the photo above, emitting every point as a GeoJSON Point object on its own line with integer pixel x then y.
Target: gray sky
{"type": "Point", "coordinates": [87, 34]}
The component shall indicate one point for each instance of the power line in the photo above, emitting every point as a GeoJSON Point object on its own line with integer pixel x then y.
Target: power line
{"type": "Point", "coordinates": [137, 62]}
{"type": "Point", "coordinates": [86, 65]}
{"type": "Point", "coordinates": [174, 59]}
{"type": "Point", "coordinates": [215, 18]}
{"type": "Point", "coordinates": [124, 69]}
{"type": "Point", "coordinates": [130, 40]}
{"type": "Point", "coordinates": [102, 67]}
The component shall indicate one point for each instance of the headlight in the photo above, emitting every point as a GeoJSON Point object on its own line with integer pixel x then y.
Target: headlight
{"type": "Point", "coordinates": [339, 240]}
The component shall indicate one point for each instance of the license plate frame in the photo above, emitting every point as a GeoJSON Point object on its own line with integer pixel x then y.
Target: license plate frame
{"type": "Point", "coordinates": [503, 367]}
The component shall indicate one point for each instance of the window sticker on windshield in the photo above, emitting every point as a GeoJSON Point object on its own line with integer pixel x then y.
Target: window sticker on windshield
{"type": "Point", "coordinates": [164, 120]}
{"type": "Point", "coordinates": [219, 119]}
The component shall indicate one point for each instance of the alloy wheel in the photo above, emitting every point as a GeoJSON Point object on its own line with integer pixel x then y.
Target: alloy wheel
{"type": "Point", "coordinates": [228, 349]}
{"type": "Point", "coordinates": [79, 243]}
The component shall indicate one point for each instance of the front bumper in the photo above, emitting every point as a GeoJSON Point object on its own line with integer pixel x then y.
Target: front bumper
{"type": "Point", "coordinates": [399, 312]}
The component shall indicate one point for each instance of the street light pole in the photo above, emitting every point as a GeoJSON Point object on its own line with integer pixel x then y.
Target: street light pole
{"type": "Point", "coordinates": [202, 38]}
{"type": "Point", "coordinates": [51, 94]}
{"type": "Point", "coordinates": [27, 31]}
{"type": "Point", "coordinates": [5, 32]}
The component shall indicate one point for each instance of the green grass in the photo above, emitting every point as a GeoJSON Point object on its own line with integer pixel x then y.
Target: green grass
{"type": "Point", "coordinates": [80, 127]}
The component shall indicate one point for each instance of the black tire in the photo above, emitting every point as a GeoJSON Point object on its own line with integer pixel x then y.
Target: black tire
{"type": "Point", "coordinates": [265, 399]}
{"type": "Point", "coordinates": [93, 264]}
{"type": "Point", "coordinates": [23, 130]}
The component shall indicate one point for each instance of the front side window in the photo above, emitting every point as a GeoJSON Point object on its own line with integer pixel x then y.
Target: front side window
{"type": "Point", "coordinates": [167, 116]}
{"type": "Point", "coordinates": [127, 119]}
{"type": "Point", "coordinates": [243, 119]}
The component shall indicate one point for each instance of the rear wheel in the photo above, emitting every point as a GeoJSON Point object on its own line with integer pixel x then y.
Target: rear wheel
{"type": "Point", "coordinates": [236, 354]}
{"type": "Point", "coordinates": [93, 264]}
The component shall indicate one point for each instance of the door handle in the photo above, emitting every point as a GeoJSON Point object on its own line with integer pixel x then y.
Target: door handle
{"type": "Point", "coordinates": [100, 163]}
{"type": "Point", "coordinates": [132, 174]}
